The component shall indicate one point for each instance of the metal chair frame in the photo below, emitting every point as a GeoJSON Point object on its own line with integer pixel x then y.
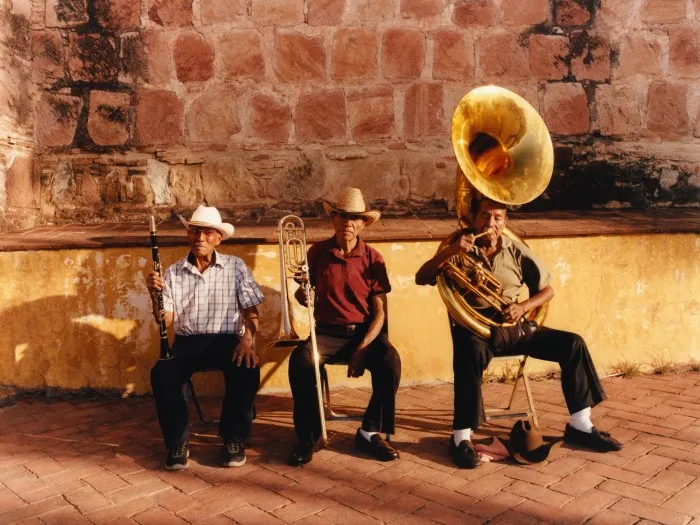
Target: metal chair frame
{"type": "Point", "coordinates": [188, 392]}
{"type": "Point", "coordinates": [508, 412]}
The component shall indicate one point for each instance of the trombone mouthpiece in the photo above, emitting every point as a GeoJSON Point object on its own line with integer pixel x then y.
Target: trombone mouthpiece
{"type": "Point", "coordinates": [487, 232]}
{"type": "Point", "coordinates": [152, 223]}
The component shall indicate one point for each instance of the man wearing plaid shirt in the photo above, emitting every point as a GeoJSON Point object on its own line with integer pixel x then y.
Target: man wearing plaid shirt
{"type": "Point", "coordinates": [211, 301]}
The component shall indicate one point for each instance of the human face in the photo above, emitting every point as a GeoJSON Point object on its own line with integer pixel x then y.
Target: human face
{"type": "Point", "coordinates": [203, 241]}
{"type": "Point", "coordinates": [347, 226]}
{"type": "Point", "coordinates": [490, 215]}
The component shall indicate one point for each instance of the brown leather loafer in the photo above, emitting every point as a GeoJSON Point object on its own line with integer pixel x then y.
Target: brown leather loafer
{"type": "Point", "coordinates": [377, 447]}
{"type": "Point", "coordinates": [463, 455]}
{"type": "Point", "coordinates": [302, 454]}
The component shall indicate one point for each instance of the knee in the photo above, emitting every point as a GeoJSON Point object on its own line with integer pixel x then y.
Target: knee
{"type": "Point", "coordinates": [300, 358]}
{"type": "Point", "coordinates": [576, 346]}
{"type": "Point", "coordinates": [392, 359]}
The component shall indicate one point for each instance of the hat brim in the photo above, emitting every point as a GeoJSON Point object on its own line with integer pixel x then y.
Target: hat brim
{"type": "Point", "coordinates": [533, 456]}
{"type": "Point", "coordinates": [370, 216]}
{"type": "Point", "coordinates": [225, 229]}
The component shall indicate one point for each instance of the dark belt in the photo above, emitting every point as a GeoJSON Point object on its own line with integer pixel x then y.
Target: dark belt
{"type": "Point", "coordinates": [339, 329]}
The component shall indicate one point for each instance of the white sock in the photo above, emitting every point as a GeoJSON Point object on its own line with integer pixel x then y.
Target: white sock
{"type": "Point", "coordinates": [464, 434]}
{"type": "Point", "coordinates": [581, 420]}
{"type": "Point", "coordinates": [367, 435]}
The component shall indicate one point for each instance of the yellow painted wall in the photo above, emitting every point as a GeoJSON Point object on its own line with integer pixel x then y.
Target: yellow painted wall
{"type": "Point", "coordinates": [81, 318]}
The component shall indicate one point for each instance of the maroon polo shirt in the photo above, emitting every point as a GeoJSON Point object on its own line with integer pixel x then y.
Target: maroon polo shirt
{"type": "Point", "coordinates": [345, 285]}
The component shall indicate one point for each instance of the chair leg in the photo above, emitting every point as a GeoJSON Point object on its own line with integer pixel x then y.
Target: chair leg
{"type": "Point", "coordinates": [189, 386]}
{"type": "Point", "coordinates": [530, 400]}
{"type": "Point", "coordinates": [518, 376]}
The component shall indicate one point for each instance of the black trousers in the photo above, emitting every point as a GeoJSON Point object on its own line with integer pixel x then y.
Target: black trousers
{"type": "Point", "coordinates": [204, 352]}
{"type": "Point", "coordinates": [383, 363]}
{"type": "Point", "coordinates": [471, 356]}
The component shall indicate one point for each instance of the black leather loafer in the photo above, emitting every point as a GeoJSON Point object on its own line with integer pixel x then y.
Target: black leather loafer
{"type": "Point", "coordinates": [302, 454]}
{"type": "Point", "coordinates": [377, 447]}
{"type": "Point", "coordinates": [463, 455]}
{"type": "Point", "coordinates": [595, 440]}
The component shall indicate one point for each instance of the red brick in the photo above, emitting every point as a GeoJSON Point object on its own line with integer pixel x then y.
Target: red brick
{"type": "Point", "coordinates": [9, 501]}
{"type": "Point", "coordinates": [423, 110]}
{"type": "Point", "coordinates": [57, 119]}
{"type": "Point", "coordinates": [174, 500]}
{"type": "Point", "coordinates": [517, 13]}
{"type": "Point", "coordinates": [667, 114]}
{"type": "Point", "coordinates": [123, 510]}
{"type": "Point", "coordinates": [352, 498]}
{"type": "Point", "coordinates": [618, 110]}
{"type": "Point", "coordinates": [588, 504]}
{"type": "Point", "coordinates": [170, 13]}
{"type": "Point", "coordinates": [687, 501]}
{"type": "Point", "coordinates": [445, 497]}
{"type": "Point", "coordinates": [118, 15]}
{"type": "Point", "coordinates": [529, 475]}
{"type": "Point", "coordinates": [325, 12]}
{"type": "Point", "coordinates": [302, 506]}
{"type": "Point", "coordinates": [360, 12]}
{"type": "Point", "coordinates": [649, 511]}
{"type": "Point", "coordinates": [422, 8]}
{"type": "Point", "coordinates": [662, 11]}
{"type": "Point", "coordinates": [591, 60]}
{"type": "Point", "coordinates": [108, 118]}
{"type": "Point", "coordinates": [158, 117]}
{"type": "Point", "coordinates": [577, 483]}
{"type": "Point", "coordinates": [320, 115]}
{"type": "Point", "coordinates": [213, 117]}
{"type": "Point", "coordinates": [66, 13]}
{"type": "Point", "coordinates": [343, 514]}
{"type": "Point", "coordinates": [92, 58]}
{"type": "Point", "coordinates": [640, 53]}
{"type": "Point", "coordinates": [371, 112]}
{"type": "Point", "coordinates": [270, 118]}
{"type": "Point", "coordinates": [87, 499]}
{"type": "Point", "coordinates": [146, 57]}
{"type": "Point", "coordinates": [34, 509]}
{"type": "Point", "coordinates": [611, 517]}
{"type": "Point", "coordinates": [684, 52]}
{"type": "Point", "coordinates": [544, 513]}
{"type": "Point", "coordinates": [222, 11]}
{"type": "Point", "coordinates": [194, 58]}
{"type": "Point", "coordinates": [548, 54]}
{"type": "Point", "coordinates": [502, 56]}
{"type": "Point", "coordinates": [241, 53]}
{"type": "Point", "coordinates": [403, 53]}
{"type": "Point", "coordinates": [566, 108]}
{"type": "Point", "coordinates": [453, 55]}
{"type": "Point", "coordinates": [48, 52]}
{"type": "Point", "coordinates": [614, 13]}
{"type": "Point", "coordinates": [571, 13]}
{"type": "Point", "coordinates": [277, 13]}
{"type": "Point", "coordinates": [473, 13]}
{"type": "Point", "coordinates": [669, 481]}
{"type": "Point", "coordinates": [298, 57]}
{"type": "Point", "coordinates": [354, 54]}
{"type": "Point", "coordinates": [633, 492]}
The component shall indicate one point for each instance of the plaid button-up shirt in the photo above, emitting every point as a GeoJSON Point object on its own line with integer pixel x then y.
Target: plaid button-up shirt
{"type": "Point", "coordinates": [210, 302]}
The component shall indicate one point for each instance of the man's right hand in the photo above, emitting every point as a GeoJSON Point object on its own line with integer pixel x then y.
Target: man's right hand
{"type": "Point", "coordinates": [303, 297]}
{"type": "Point", "coordinates": [154, 282]}
{"type": "Point", "coordinates": [463, 243]}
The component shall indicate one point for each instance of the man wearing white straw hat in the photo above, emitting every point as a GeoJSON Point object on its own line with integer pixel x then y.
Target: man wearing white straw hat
{"type": "Point", "coordinates": [350, 284]}
{"type": "Point", "coordinates": [211, 300]}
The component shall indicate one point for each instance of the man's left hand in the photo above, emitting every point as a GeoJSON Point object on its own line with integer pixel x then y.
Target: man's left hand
{"type": "Point", "coordinates": [513, 312]}
{"type": "Point", "coordinates": [356, 366]}
{"type": "Point", "coordinates": [244, 354]}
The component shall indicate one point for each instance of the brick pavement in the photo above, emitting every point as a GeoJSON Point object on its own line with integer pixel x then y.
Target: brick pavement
{"type": "Point", "coordinates": [82, 461]}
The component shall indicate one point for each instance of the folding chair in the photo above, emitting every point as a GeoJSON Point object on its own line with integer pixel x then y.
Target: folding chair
{"type": "Point", "coordinates": [188, 392]}
{"type": "Point", "coordinates": [508, 412]}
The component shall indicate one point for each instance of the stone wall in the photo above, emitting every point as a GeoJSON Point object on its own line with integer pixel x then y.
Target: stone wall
{"type": "Point", "coordinates": [257, 106]}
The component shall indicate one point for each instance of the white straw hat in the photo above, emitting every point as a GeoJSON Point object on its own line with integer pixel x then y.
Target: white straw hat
{"type": "Point", "coordinates": [209, 217]}
{"type": "Point", "coordinates": [350, 201]}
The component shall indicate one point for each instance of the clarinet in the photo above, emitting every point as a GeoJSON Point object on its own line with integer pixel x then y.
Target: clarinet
{"type": "Point", "coordinates": [164, 346]}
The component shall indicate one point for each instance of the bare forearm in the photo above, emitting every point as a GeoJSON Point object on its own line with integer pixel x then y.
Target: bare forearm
{"type": "Point", "coordinates": [540, 298]}
{"type": "Point", "coordinates": [375, 327]}
{"type": "Point", "coordinates": [426, 274]}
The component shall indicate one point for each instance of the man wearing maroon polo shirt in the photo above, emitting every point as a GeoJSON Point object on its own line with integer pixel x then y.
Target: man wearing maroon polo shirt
{"type": "Point", "coordinates": [350, 284]}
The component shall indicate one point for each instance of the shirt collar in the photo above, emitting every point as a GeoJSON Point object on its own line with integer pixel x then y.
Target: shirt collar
{"type": "Point", "coordinates": [357, 251]}
{"type": "Point", "coordinates": [216, 261]}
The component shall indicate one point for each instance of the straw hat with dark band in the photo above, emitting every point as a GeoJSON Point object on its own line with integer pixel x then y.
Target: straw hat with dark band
{"type": "Point", "coordinates": [350, 202]}
{"type": "Point", "coordinates": [209, 217]}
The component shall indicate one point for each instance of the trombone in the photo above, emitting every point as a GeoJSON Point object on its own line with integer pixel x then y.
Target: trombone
{"type": "Point", "coordinates": [294, 264]}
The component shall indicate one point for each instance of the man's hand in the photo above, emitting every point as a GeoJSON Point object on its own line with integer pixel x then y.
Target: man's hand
{"type": "Point", "coordinates": [244, 354]}
{"type": "Point", "coordinates": [356, 366]}
{"type": "Point", "coordinates": [304, 298]}
{"type": "Point", "coordinates": [463, 243]}
{"type": "Point", "coordinates": [514, 311]}
{"type": "Point", "coordinates": [154, 282]}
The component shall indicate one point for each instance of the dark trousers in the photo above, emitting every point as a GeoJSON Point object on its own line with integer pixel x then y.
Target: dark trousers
{"type": "Point", "coordinates": [204, 352]}
{"type": "Point", "coordinates": [383, 363]}
{"type": "Point", "coordinates": [471, 356]}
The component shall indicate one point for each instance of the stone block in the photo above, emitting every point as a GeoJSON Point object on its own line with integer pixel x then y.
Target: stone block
{"type": "Point", "coordinates": [170, 13]}
{"type": "Point", "coordinates": [453, 55]}
{"type": "Point", "coordinates": [617, 110]}
{"type": "Point", "coordinates": [193, 57]}
{"type": "Point", "coordinates": [379, 176]}
{"type": "Point", "coordinates": [158, 117]}
{"type": "Point", "coordinates": [501, 55]}
{"type": "Point", "coordinates": [222, 11]}
{"type": "Point", "coordinates": [571, 13]}
{"type": "Point", "coordinates": [615, 13]}
{"type": "Point", "coordinates": [146, 57]}
{"type": "Point", "coordinates": [422, 8]}
{"type": "Point", "coordinates": [320, 115]}
{"type": "Point", "coordinates": [64, 187]}
{"type": "Point", "coordinates": [48, 52]}
{"type": "Point", "coordinates": [118, 15]}
{"type": "Point", "coordinates": [158, 175]}
{"type": "Point", "coordinates": [423, 114]}
{"type": "Point", "coordinates": [66, 13]}
{"type": "Point", "coordinates": [325, 12]}
{"type": "Point", "coordinates": [241, 55]}
{"type": "Point", "coordinates": [640, 53]}
{"type": "Point", "coordinates": [298, 57]}
{"type": "Point", "coordinates": [696, 130]}
{"type": "Point", "coordinates": [428, 182]}
{"type": "Point", "coordinates": [92, 58]}
{"type": "Point", "coordinates": [684, 51]}
{"type": "Point", "coordinates": [473, 13]}
{"type": "Point", "coordinates": [213, 117]}
{"type": "Point", "coordinates": [371, 112]}
{"type": "Point", "coordinates": [354, 54]}
{"type": "Point", "coordinates": [186, 184]}
{"type": "Point", "coordinates": [270, 119]}
{"type": "Point", "coordinates": [138, 190]}
{"type": "Point", "coordinates": [532, 12]}
{"type": "Point", "coordinates": [21, 181]}
{"type": "Point", "coordinates": [225, 182]}
{"type": "Point", "coordinates": [566, 108]}
{"type": "Point", "coordinates": [108, 118]}
{"type": "Point", "coordinates": [662, 11]}
{"type": "Point", "coordinates": [89, 191]}
{"type": "Point", "coordinates": [57, 119]}
{"type": "Point", "coordinates": [403, 53]}
{"type": "Point", "coordinates": [590, 57]}
{"type": "Point", "coordinates": [548, 56]}
{"type": "Point", "coordinates": [368, 11]}
{"type": "Point", "coordinates": [667, 110]}
{"type": "Point", "coordinates": [279, 13]}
